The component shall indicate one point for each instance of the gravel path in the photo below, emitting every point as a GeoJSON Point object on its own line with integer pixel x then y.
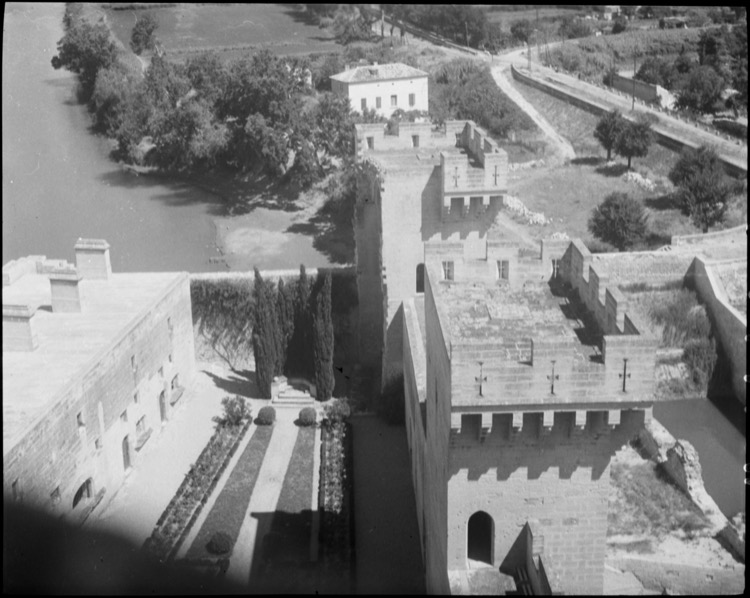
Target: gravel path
{"type": "Point", "coordinates": [265, 496]}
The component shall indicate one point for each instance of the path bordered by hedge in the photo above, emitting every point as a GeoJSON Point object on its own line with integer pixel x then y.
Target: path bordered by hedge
{"type": "Point", "coordinates": [285, 558]}
{"type": "Point", "coordinates": [228, 513]}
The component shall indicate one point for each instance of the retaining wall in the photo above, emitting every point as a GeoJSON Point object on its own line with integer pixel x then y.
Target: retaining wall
{"type": "Point", "coordinates": [729, 324]}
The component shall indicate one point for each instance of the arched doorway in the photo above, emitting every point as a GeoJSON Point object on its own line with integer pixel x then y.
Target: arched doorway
{"type": "Point", "coordinates": [83, 492]}
{"type": "Point", "coordinates": [420, 278]}
{"type": "Point", "coordinates": [480, 537]}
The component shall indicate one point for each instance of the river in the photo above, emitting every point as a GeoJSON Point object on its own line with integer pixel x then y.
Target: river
{"type": "Point", "coordinates": [59, 184]}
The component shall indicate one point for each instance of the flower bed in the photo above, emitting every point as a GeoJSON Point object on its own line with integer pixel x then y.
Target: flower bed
{"type": "Point", "coordinates": [183, 509]}
{"type": "Point", "coordinates": [335, 499]}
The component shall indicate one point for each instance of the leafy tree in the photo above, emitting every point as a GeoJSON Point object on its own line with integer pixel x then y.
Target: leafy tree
{"type": "Point", "coordinates": [165, 83]}
{"type": "Point", "coordinates": [187, 136]}
{"type": "Point", "coordinates": [521, 30]}
{"type": "Point", "coordinates": [142, 37]}
{"type": "Point", "coordinates": [207, 76]}
{"type": "Point", "coordinates": [705, 196]}
{"type": "Point", "coordinates": [111, 97]}
{"type": "Point", "coordinates": [333, 120]}
{"type": "Point", "coordinates": [703, 190]}
{"type": "Point", "coordinates": [351, 23]}
{"type": "Point", "coordinates": [619, 26]}
{"type": "Point", "coordinates": [85, 49]}
{"type": "Point", "coordinates": [634, 140]}
{"type": "Point", "coordinates": [267, 143]}
{"type": "Point", "coordinates": [285, 310]}
{"type": "Point", "coordinates": [323, 340]}
{"type": "Point", "coordinates": [701, 90]}
{"type": "Point", "coordinates": [265, 336]}
{"type": "Point", "coordinates": [703, 160]}
{"type": "Point", "coordinates": [608, 130]}
{"type": "Point", "coordinates": [573, 27]}
{"type": "Point", "coordinates": [619, 220]}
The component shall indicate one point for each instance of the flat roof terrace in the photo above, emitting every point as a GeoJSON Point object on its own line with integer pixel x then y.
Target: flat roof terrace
{"type": "Point", "coordinates": [483, 312]}
{"type": "Point", "coordinates": [69, 344]}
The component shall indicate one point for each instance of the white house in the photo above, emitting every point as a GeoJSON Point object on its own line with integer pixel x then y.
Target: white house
{"type": "Point", "coordinates": [384, 87]}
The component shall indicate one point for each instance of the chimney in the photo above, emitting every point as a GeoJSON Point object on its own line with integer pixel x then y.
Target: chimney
{"type": "Point", "coordinates": [92, 259]}
{"type": "Point", "coordinates": [375, 63]}
{"type": "Point", "coordinates": [18, 329]}
{"type": "Point", "coordinates": [66, 296]}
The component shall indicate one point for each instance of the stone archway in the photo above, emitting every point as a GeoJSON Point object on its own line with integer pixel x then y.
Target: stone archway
{"type": "Point", "coordinates": [480, 537]}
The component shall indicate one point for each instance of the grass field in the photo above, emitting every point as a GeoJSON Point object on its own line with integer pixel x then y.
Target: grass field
{"type": "Point", "coordinates": [569, 193]}
{"type": "Point", "coordinates": [646, 503]}
{"type": "Point", "coordinates": [230, 28]}
{"type": "Point", "coordinates": [508, 17]}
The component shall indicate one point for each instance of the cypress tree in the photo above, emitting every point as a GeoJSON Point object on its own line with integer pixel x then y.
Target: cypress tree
{"type": "Point", "coordinates": [285, 310]}
{"type": "Point", "coordinates": [303, 324]}
{"type": "Point", "coordinates": [323, 340]}
{"type": "Point", "coordinates": [265, 336]}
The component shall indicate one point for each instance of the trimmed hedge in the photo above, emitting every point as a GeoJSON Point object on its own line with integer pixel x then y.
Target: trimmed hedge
{"type": "Point", "coordinates": [266, 416]}
{"type": "Point", "coordinates": [307, 417]}
{"type": "Point", "coordinates": [220, 543]}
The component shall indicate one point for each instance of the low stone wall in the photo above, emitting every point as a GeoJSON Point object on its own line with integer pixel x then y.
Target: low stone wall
{"type": "Point", "coordinates": [737, 234]}
{"type": "Point", "coordinates": [729, 324]}
{"type": "Point", "coordinates": [682, 579]}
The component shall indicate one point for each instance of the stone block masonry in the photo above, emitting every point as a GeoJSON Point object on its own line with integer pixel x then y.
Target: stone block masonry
{"type": "Point", "coordinates": [113, 372]}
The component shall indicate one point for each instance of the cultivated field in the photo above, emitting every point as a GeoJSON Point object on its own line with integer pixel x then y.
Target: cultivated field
{"type": "Point", "coordinates": [229, 28]}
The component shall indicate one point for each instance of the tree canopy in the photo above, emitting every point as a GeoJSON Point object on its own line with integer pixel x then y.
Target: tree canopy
{"type": "Point", "coordinates": [619, 220]}
{"type": "Point", "coordinates": [85, 49]}
{"type": "Point", "coordinates": [608, 130]}
{"type": "Point", "coordinates": [142, 37]}
{"type": "Point", "coordinates": [702, 188]}
{"type": "Point", "coordinates": [701, 90]}
{"type": "Point", "coordinates": [634, 140]}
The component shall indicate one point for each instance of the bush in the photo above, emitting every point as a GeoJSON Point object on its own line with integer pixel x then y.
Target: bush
{"type": "Point", "coordinates": [336, 412]}
{"type": "Point", "coordinates": [235, 410]}
{"type": "Point", "coordinates": [220, 543]}
{"type": "Point", "coordinates": [619, 220]}
{"type": "Point", "coordinates": [700, 357]}
{"type": "Point", "coordinates": [307, 417]}
{"type": "Point", "coordinates": [266, 416]}
{"type": "Point", "coordinates": [597, 246]}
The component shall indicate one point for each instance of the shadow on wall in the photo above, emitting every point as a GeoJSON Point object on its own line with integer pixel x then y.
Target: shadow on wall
{"type": "Point", "coordinates": [538, 454]}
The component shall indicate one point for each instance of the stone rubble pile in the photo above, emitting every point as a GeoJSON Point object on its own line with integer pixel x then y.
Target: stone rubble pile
{"type": "Point", "coordinates": [516, 206]}
{"type": "Point", "coordinates": [641, 181]}
{"type": "Point", "coordinates": [525, 165]}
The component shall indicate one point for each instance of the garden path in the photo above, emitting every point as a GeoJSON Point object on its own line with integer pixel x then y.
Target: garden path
{"type": "Point", "coordinates": [161, 465]}
{"type": "Point", "coordinates": [265, 495]}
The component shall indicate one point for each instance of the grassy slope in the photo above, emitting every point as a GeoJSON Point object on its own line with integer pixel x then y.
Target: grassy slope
{"type": "Point", "coordinates": [570, 193]}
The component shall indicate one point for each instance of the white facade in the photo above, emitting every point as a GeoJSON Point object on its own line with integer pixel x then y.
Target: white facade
{"type": "Point", "coordinates": [381, 92]}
